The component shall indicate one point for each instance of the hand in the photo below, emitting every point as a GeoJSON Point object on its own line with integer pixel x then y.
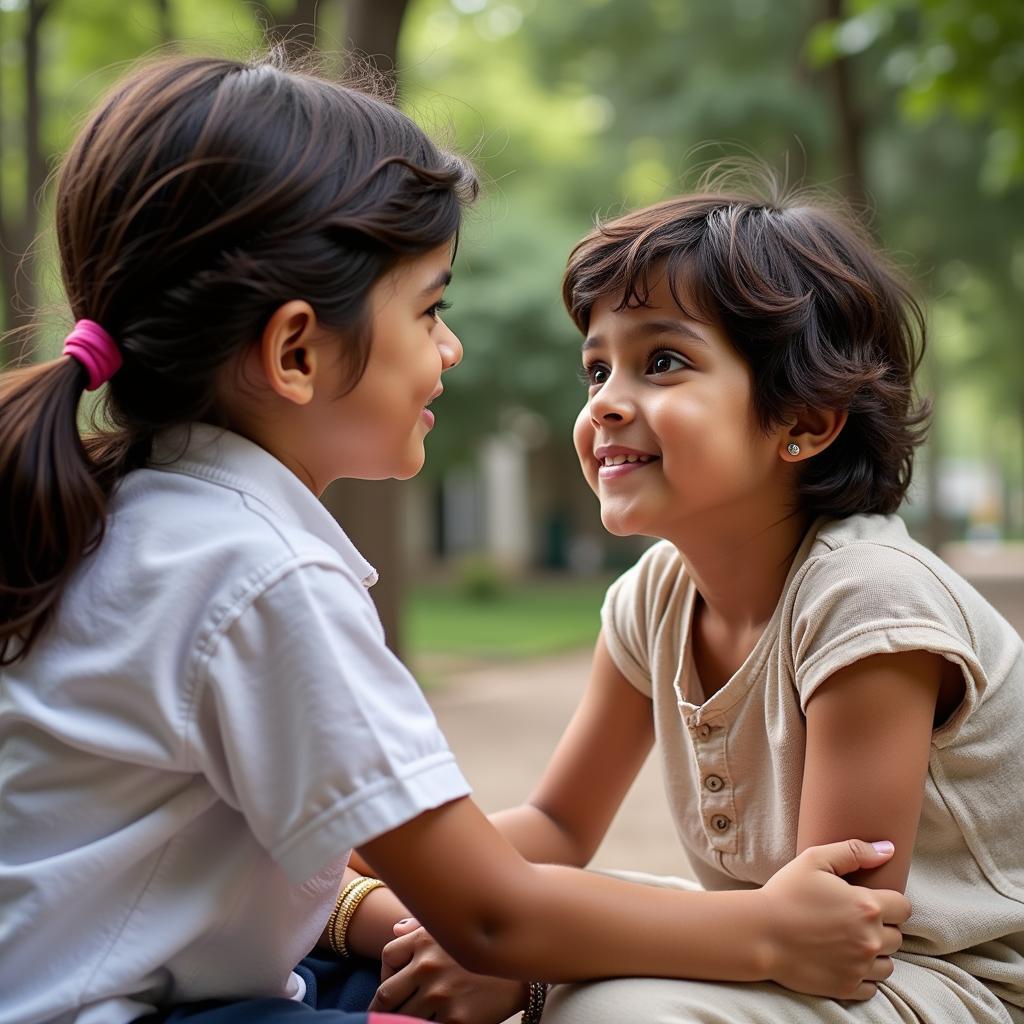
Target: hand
{"type": "Point", "coordinates": [828, 937]}
{"type": "Point", "coordinates": [420, 979]}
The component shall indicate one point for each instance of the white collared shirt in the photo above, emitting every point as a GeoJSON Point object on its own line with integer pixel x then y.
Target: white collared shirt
{"type": "Point", "coordinates": [190, 752]}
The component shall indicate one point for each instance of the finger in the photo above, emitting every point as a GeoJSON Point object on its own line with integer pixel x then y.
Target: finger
{"type": "Point", "coordinates": [394, 993]}
{"type": "Point", "coordinates": [851, 855]}
{"type": "Point", "coordinates": [398, 952]}
{"type": "Point", "coordinates": [880, 969]}
{"type": "Point", "coordinates": [895, 906]}
{"type": "Point", "coordinates": [405, 926]}
{"type": "Point", "coordinates": [892, 939]}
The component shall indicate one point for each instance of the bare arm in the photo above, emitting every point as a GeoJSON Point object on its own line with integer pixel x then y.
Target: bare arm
{"type": "Point", "coordinates": [869, 731]}
{"type": "Point", "coordinates": [549, 922]}
{"type": "Point", "coordinates": [570, 810]}
{"type": "Point", "coordinates": [589, 774]}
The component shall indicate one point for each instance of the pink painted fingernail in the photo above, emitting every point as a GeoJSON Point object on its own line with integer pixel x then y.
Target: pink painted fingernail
{"type": "Point", "coordinates": [884, 846]}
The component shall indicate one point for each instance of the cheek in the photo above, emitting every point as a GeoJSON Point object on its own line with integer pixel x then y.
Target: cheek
{"type": "Point", "coordinates": [583, 437]}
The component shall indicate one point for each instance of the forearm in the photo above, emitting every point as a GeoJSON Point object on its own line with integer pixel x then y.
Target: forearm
{"type": "Point", "coordinates": [596, 926]}
{"type": "Point", "coordinates": [538, 837]}
{"type": "Point", "coordinates": [535, 835]}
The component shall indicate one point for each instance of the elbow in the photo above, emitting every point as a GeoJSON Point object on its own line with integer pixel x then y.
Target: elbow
{"type": "Point", "coordinates": [482, 946]}
{"type": "Point", "coordinates": [476, 955]}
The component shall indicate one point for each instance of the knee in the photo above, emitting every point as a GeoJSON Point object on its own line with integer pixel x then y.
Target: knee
{"type": "Point", "coordinates": [605, 1002]}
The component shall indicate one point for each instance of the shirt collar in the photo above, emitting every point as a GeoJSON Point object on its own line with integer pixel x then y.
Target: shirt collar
{"type": "Point", "coordinates": [223, 457]}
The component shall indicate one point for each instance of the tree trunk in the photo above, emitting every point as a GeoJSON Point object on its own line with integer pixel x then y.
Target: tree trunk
{"type": "Point", "coordinates": [8, 246]}
{"type": "Point", "coordinates": [165, 22]}
{"type": "Point", "coordinates": [372, 28]}
{"type": "Point", "coordinates": [851, 121]}
{"type": "Point", "coordinates": [19, 231]}
{"type": "Point", "coordinates": [370, 511]}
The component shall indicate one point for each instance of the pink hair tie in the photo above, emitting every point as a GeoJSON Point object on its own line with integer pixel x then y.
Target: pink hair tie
{"type": "Point", "coordinates": [95, 350]}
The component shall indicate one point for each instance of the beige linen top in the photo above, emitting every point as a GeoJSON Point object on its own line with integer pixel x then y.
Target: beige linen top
{"type": "Point", "coordinates": [733, 764]}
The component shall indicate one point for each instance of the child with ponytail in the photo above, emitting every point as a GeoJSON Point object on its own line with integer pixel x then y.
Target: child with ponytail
{"type": "Point", "coordinates": [199, 718]}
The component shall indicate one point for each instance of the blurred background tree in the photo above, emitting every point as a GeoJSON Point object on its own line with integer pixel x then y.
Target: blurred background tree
{"type": "Point", "coordinates": [912, 109]}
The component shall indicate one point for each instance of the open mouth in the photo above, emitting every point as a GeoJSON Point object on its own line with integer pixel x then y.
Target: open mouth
{"type": "Point", "coordinates": [611, 467]}
{"type": "Point", "coordinates": [622, 460]}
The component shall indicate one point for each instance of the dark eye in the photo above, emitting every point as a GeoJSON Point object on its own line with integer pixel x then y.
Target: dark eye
{"type": "Point", "coordinates": [666, 362]}
{"type": "Point", "coordinates": [438, 307]}
{"type": "Point", "coordinates": [594, 374]}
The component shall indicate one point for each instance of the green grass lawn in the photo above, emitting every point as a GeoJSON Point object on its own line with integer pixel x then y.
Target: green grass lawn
{"type": "Point", "coordinates": [524, 620]}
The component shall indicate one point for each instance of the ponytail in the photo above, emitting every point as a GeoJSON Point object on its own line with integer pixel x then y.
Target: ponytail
{"type": "Point", "coordinates": [201, 195]}
{"type": "Point", "coordinates": [52, 503]}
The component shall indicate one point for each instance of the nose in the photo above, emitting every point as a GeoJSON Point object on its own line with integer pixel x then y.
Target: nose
{"type": "Point", "coordinates": [448, 345]}
{"type": "Point", "coordinates": [612, 403]}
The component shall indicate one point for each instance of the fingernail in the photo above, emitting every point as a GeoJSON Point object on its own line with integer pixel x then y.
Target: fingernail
{"type": "Point", "coordinates": [884, 846]}
{"type": "Point", "coordinates": [405, 920]}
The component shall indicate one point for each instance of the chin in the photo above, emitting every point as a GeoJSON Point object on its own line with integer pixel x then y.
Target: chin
{"type": "Point", "coordinates": [410, 467]}
{"type": "Point", "coordinates": [620, 524]}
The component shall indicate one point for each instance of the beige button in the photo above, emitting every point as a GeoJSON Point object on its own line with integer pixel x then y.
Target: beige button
{"type": "Point", "coordinates": [720, 823]}
{"type": "Point", "coordinates": [703, 731]}
{"type": "Point", "coordinates": [714, 783]}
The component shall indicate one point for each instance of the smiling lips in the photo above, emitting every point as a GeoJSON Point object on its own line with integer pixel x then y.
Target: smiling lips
{"type": "Point", "coordinates": [614, 461]}
{"type": "Point", "coordinates": [426, 415]}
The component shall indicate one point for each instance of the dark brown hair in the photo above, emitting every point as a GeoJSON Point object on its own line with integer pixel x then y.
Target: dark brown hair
{"type": "Point", "coordinates": [806, 300]}
{"type": "Point", "coordinates": [201, 195]}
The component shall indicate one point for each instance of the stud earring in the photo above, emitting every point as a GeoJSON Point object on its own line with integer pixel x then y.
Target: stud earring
{"type": "Point", "coordinates": [793, 448]}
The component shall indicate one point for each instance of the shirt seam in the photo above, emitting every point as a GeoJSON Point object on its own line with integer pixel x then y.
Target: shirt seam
{"type": "Point", "coordinates": [877, 626]}
{"type": "Point", "coordinates": [216, 628]}
{"type": "Point", "coordinates": [405, 773]}
{"type": "Point", "coordinates": [221, 478]}
{"type": "Point", "coordinates": [835, 548]}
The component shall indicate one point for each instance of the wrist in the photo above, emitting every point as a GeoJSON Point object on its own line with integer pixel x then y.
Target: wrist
{"type": "Point", "coordinates": [372, 925]}
{"type": "Point", "coordinates": [761, 952]}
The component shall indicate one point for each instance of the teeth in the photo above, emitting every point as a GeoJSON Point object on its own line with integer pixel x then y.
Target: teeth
{"type": "Point", "coordinates": [618, 460]}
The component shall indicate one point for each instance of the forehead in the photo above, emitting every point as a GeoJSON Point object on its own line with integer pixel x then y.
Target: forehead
{"type": "Point", "coordinates": [660, 313]}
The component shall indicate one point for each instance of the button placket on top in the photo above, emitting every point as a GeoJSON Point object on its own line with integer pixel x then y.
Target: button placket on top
{"type": "Point", "coordinates": [717, 806]}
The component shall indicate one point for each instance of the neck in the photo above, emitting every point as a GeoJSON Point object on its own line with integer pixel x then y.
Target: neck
{"type": "Point", "coordinates": [739, 568]}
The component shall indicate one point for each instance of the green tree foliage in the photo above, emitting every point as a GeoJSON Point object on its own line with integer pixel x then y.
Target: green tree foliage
{"type": "Point", "coordinates": [946, 56]}
{"type": "Point", "coordinates": [593, 107]}
{"type": "Point", "coordinates": [578, 109]}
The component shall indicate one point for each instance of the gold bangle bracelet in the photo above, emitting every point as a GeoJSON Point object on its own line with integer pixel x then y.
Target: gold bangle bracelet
{"type": "Point", "coordinates": [348, 902]}
{"type": "Point", "coordinates": [337, 907]}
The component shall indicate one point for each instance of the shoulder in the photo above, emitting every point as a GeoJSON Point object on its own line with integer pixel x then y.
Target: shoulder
{"type": "Point", "coordinates": [867, 588]}
{"type": "Point", "coordinates": [637, 605]}
{"type": "Point", "coordinates": [868, 568]}
{"type": "Point", "coordinates": [640, 598]}
{"type": "Point", "coordinates": [200, 528]}
{"type": "Point", "coordinates": [193, 556]}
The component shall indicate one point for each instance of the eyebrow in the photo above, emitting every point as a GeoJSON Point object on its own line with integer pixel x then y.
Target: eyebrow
{"type": "Point", "coordinates": [648, 327]}
{"type": "Point", "coordinates": [441, 281]}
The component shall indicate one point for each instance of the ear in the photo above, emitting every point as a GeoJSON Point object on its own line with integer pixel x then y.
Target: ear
{"type": "Point", "coordinates": [812, 431]}
{"type": "Point", "coordinates": [288, 353]}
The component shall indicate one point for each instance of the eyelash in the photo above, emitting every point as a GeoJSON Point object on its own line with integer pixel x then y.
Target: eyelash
{"type": "Point", "coordinates": [586, 374]}
{"type": "Point", "coordinates": [438, 307]}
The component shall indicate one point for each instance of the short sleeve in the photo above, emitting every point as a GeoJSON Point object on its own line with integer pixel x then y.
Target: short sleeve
{"type": "Point", "coordinates": [310, 726]}
{"type": "Point", "coordinates": [629, 615]}
{"type": "Point", "coordinates": [865, 599]}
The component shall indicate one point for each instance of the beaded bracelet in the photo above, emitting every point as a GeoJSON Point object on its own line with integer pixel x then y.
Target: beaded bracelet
{"type": "Point", "coordinates": [535, 1003]}
{"type": "Point", "coordinates": [344, 910]}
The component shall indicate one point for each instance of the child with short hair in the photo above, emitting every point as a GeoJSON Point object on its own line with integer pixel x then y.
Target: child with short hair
{"type": "Point", "coordinates": [199, 718]}
{"type": "Point", "coordinates": [806, 669]}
